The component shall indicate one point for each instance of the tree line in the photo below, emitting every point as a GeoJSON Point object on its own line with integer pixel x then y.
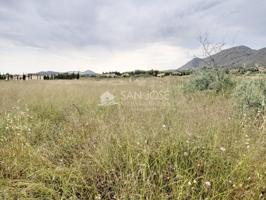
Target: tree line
{"type": "Point", "coordinates": [67, 76]}
{"type": "Point", "coordinates": [2, 77]}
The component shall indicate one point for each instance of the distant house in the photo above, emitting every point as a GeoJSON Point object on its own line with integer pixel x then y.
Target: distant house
{"type": "Point", "coordinates": [161, 75]}
{"type": "Point", "coordinates": [24, 77]}
{"type": "Point", "coordinates": [125, 75]}
{"type": "Point", "coordinates": [176, 73]}
{"type": "Point", "coordinates": [35, 77]}
{"type": "Point", "coordinates": [262, 69]}
{"type": "Point", "coordinates": [13, 77]}
{"type": "Point", "coordinates": [109, 75]}
{"type": "Point", "coordinates": [17, 77]}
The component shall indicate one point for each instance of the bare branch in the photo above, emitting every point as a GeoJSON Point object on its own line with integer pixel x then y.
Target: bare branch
{"type": "Point", "coordinates": [209, 50]}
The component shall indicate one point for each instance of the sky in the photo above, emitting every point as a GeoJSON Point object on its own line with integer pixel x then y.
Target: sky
{"type": "Point", "coordinates": [121, 35]}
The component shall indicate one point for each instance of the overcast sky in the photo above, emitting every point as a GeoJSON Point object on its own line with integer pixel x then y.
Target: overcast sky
{"type": "Point", "coordinates": [106, 35]}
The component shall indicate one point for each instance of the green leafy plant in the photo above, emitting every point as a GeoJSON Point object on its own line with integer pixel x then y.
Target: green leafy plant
{"type": "Point", "coordinates": [211, 79]}
{"type": "Point", "coordinates": [251, 94]}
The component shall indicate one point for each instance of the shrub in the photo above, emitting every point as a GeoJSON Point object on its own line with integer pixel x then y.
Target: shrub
{"type": "Point", "coordinates": [251, 94]}
{"type": "Point", "coordinates": [2, 77]}
{"type": "Point", "coordinates": [211, 79]}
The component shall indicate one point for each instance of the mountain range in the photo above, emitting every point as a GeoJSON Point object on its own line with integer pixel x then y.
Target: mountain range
{"type": "Point", "coordinates": [240, 56]}
{"type": "Point", "coordinates": [82, 73]}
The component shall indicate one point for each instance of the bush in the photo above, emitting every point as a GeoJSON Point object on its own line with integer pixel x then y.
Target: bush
{"type": "Point", "coordinates": [211, 79]}
{"type": "Point", "coordinates": [251, 94]}
{"type": "Point", "coordinates": [2, 77]}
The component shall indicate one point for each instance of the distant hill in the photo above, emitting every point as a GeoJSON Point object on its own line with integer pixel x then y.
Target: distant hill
{"type": "Point", "coordinates": [82, 73]}
{"type": "Point", "coordinates": [240, 56]}
{"type": "Point", "coordinates": [49, 73]}
{"type": "Point", "coordinates": [87, 73]}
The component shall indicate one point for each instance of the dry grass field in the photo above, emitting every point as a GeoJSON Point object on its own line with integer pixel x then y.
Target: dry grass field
{"type": "Point", "coordinates": [57, 141]}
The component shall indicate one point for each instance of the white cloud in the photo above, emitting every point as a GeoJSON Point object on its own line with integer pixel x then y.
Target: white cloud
{"type": "Point", "coordinates": [120, 34]}
{"type": "Point", "coordinates": [153, 56]}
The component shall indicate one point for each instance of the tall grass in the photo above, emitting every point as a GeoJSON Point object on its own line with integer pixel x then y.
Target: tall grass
{"type": "Point", "coordinates": [57, 143]}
